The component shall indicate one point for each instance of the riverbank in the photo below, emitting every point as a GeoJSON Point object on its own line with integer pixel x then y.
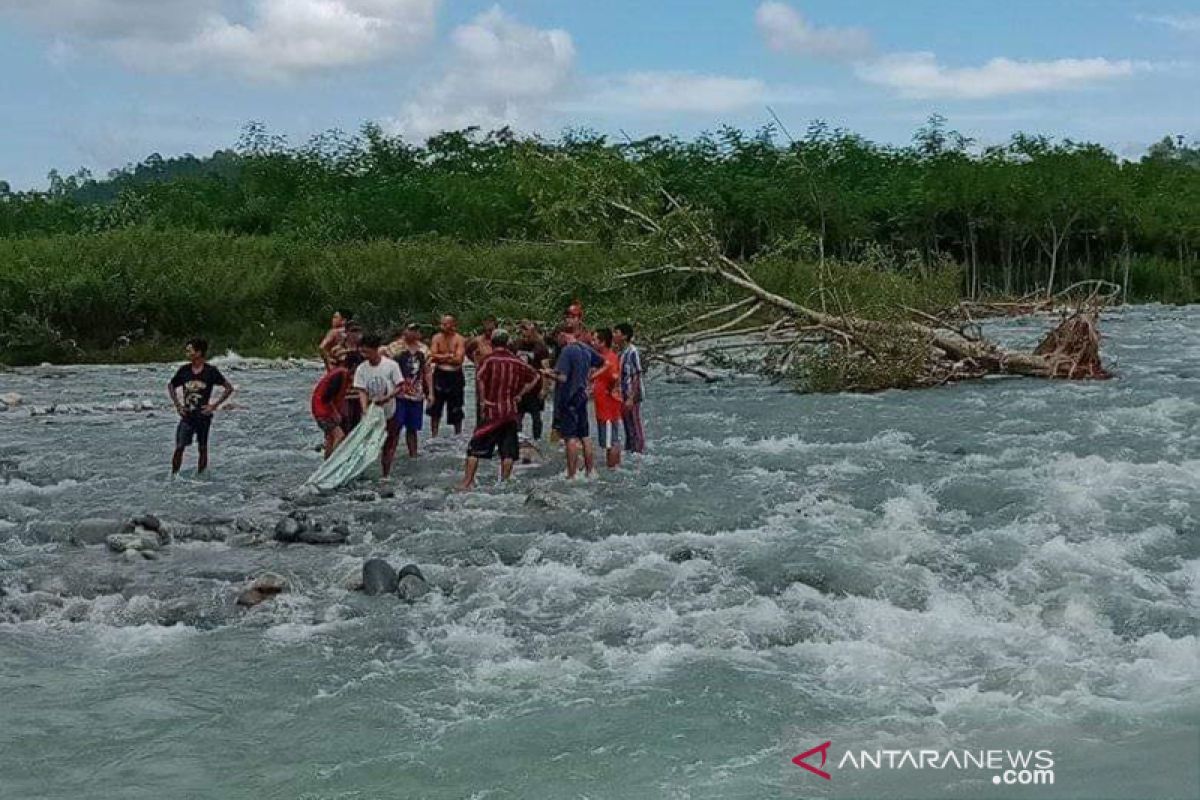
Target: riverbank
{"type": "Point", "coordinates": [134, 295]}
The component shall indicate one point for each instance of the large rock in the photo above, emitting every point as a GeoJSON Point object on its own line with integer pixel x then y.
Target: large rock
{"type": "Point", "coordinates": [288, 530]}
{"type": "Point", "coordinates": [378, 577]}
{"type": "Point", "coordinates": [412, 585]}
{"type": "Point", "coordinates": [263, 588]}
{"type": "Point", "coordinates": [139, 541]}
{"type": "Point", "coordinates": [148, 521]}
{"type": "Point", "coordinates": [94, 530]}
{"type": "Point", "coordinates": [323, 537]}
{"type": "Point", "coordinates": [11, 399]}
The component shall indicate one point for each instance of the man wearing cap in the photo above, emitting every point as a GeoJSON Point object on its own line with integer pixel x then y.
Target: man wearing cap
{"type": "Point", "coordinates": [503, 379]}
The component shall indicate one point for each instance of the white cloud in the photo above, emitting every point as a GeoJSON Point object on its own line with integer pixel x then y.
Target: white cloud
{"type": "Point", "coordinates": [677, 92]}
{"type": "Point", "coordinates": [1187, 24]}
{"type": "Point", "coordinates": [277, 40]}
{"type": "Point", "coordinates": [499, 72]}
{"type": "Point", "coordinates": [919, 75]}
{"type": "Point", "coordinates": [786, 30]}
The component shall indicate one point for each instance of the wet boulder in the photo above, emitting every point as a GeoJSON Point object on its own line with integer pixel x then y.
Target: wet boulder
{"type": "Point", "coordinates": [378, 577]}
{"type": "Point", "coordinates": [288, 530]}
{"type": "Point", "coordinates": [148, 521]}
{"type": "Point", "coordinates": [412, 584]}
{"type": "Point", "coordinates": [11, 400]}
{"type": "Point", "coordinates": [263, 588]}
{"type": "Point", "coordinates": [139, 541]}
{"type": "Point", "coordinates": [317, 534]}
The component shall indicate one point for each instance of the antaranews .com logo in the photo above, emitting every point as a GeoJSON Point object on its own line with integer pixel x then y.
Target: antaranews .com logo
{"type": "Point", "coordinates": [1008, 767]}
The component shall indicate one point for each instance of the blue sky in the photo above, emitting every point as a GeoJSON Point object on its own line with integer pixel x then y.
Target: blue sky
{"type": "Point", "coordinates": [100, 83]}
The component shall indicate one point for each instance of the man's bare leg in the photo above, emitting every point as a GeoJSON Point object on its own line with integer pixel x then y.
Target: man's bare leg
{"type": "Point", "coordinates": [332, 440]}
{"type": "Point", "coordinates": [410, 439]}
{"type": "Point", "coordinates": [202, 462]}
{"type": "Point", "coordinates": [468, 481]}
{"type": "Point", "coordinates": [613, 457]}
{"type": "Point", "coordinates": [176, 460]}
{"type": "Point", "coordinates": [434, 424]}
{"type": "Point", "coordinates": [589, 457]}
{"type": "Point", "coordinates": [506, 468]}
{"type": "Point", "coordinates": [572, 457]}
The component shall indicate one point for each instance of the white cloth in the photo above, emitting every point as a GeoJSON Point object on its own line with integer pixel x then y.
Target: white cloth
{"type": "Point", "coordinates": [358, 451]}
{"type": "Point", "coordinates": [379, 381]}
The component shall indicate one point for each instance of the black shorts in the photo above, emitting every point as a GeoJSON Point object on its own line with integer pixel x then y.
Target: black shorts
{"type": "Point", "coordinates": [193, 425]}
{"type": "Point", "coordinates": [449, 390]}
{"type": "Point", "coordinates": [531, 403]}
{"type": "Point", "coordinates": [504, 437]}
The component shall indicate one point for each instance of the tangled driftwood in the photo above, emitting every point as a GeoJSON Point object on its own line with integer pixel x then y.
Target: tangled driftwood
{"type": "Point", "coordinates": [763, 319]}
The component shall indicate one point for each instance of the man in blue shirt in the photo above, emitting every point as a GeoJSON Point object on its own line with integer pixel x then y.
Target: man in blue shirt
{"type": "Point", "coordinates": [572, 375]}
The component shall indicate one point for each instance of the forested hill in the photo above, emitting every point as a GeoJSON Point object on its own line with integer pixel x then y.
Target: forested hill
{"type": "Point", "coordinates": [1025, 215]}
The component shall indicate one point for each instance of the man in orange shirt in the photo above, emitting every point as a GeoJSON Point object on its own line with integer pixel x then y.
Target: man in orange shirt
{"type": "Point", "coordinates": [606, 391]}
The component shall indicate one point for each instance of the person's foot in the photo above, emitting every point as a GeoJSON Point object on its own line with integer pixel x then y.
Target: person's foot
{"type": "Point", "coordinates": [464, 487]}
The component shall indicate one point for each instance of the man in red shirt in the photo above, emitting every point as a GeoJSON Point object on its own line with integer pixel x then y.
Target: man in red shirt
{"type": "Point", "coordinates": [606, 391]}
{"type": "Point", "coordinates": [328, 397]}
{"type": "Point", "coordinates": [503, 379]}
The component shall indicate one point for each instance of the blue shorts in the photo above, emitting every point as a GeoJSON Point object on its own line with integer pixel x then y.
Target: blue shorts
{"type": "Point", "coordinates": [571, 417]}
{"type": "Point", "coordinates": [607, 434]}
{"type": "Point", "coordinates": [409, 414]}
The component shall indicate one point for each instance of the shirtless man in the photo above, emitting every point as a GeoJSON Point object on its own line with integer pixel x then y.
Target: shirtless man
{"type": "Point", "coordinates": [447, 351]}
{"type": "Point", "coordinates": [334, 338]}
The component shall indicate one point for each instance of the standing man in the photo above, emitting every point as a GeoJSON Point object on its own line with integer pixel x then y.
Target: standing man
{"type": "Point", "coordinates": [328, 398]}
{"type": "Point", "coordinates": [377, 381]}
{"type": "Point", "coordinates": [606, 389]}
{"type": "Point", "coordinates": [196, 379]}
{"type": "Point", "coordinates": [572, 373]}
{"type": "Point", "coordinates": [351, 410]}
{"type": "Point", "coordinates": [631, 388]}
{"type": "Point", "coordinates": [447, 353]}
{"type": "Point", "coordinates": [413, 359]}
{"type": "Point", "coordinates": [478, 348]}
{"type": "Point", "coordinates": [531, 349]}
{"type": "Point", "coordinates": [503, 380]}
{"type": "Point", "coordinates": [335, 337]}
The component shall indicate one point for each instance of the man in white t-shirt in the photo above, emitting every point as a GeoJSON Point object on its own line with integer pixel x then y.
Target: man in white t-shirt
{"type": "Point", "coordinates": [378, 381]}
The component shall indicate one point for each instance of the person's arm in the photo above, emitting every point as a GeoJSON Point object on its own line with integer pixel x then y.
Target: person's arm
{"type": "Point", "coordinates": [173, 393]}
{"type": "Point", "coordinates": [427, 377]}
{"type": "Point", "coordinates": [535, 380]}
{"type": "Point", "coordinates": [635, 383]}
{"type": "Point", "coordinates": [226, 391]}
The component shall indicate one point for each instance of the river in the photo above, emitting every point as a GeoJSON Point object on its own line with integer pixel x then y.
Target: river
{"type": "Point", "coordinates": [1010, 563]}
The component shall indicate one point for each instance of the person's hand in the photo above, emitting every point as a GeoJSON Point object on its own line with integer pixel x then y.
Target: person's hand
{"type": "Point", "coordinates": [629, 404]}
{"type": "Point", "coordinates": [179, 410]}
{"type": "Point", "coordinates": [337, 418]}
{"type": "Point", "coordinates": [208, 409]}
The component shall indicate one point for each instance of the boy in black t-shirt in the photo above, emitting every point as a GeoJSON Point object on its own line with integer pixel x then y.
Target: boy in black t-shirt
{"type": "Point", "coordinates": [196, 379]}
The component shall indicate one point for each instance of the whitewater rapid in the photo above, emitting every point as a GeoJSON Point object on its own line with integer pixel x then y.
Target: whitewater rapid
{"type": "Point", "coordinates": [1011, 563]}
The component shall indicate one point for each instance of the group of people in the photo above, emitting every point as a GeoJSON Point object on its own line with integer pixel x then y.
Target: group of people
{"type": "Point", "coordinates": [514, 378]}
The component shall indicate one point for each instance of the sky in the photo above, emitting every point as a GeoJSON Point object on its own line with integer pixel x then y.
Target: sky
{"type": "Point", "coordinates": [103, 83]}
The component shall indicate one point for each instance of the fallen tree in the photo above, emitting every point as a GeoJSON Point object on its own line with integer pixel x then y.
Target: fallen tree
{"type": "Point", "coordinates": [911, 349]}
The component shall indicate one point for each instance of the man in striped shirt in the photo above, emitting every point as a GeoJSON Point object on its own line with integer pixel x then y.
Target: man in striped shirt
{"type": "Point", "coordinates": [503, 379]}
{"type": "Point", "coordinates": [631, 388]}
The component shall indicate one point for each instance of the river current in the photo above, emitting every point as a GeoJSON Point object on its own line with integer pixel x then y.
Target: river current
{"type": "Point", "coordinates": [1009, 564]}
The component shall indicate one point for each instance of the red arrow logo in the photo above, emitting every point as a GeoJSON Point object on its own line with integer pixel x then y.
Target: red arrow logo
{"type": "Point", "coordinates": [800, 762]}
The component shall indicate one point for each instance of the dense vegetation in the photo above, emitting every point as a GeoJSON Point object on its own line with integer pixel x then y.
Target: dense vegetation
{"type": "Point", "coordinates": [270, 235]}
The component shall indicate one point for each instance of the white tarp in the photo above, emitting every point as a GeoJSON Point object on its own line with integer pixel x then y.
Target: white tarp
{"type": "Point", "coordinates": [357, 452]}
